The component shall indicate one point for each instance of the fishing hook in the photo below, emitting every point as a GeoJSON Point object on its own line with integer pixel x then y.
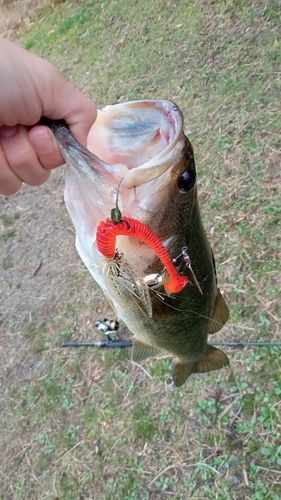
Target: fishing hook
{"type": "Point", "coordinates": [115, 214]}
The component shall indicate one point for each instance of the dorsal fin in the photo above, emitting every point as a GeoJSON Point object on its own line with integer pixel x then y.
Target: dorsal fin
{"type": "Point", "coordinates": [220, 314]}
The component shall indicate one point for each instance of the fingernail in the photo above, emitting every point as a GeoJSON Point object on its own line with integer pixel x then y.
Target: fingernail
{"type": "Point", "coordinates": [8, 131]}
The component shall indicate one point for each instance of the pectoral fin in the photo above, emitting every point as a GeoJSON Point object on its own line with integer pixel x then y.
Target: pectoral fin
{"type": "Point", "coordinates": [214, 359]}
{"type": "Point", "coordinates": [181, 372]}
{"type": "Point", "coordinates": [220, 314]}
{"type": "Point", "coordinates": [125, 285]}
{"type": "Point", "coordinates": [142, 351]}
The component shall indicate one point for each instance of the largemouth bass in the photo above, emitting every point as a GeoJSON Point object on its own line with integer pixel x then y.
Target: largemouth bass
{"type": "Point", "coordinates": [143, 144]}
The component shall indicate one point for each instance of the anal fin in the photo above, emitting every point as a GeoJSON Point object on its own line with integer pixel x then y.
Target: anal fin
{"type": "Point", "coordinates": [142, 351]}
{"type": "Point", "coordinates": [220, 314]}
{"type": "Point", "coordinates": [214, 359]}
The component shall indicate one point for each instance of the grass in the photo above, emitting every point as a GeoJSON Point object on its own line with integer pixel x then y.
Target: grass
{"type": "Point", "coordinates": [90, 424]}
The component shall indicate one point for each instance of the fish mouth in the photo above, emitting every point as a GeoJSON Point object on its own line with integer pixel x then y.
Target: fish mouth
{"type": "Point", "coordinates": [143, 136]}
{"type": "Point", "coordinates": [140, 142]}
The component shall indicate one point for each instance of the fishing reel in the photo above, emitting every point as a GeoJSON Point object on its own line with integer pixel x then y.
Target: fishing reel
{"type": "Point", "coordinates": [107, 326]}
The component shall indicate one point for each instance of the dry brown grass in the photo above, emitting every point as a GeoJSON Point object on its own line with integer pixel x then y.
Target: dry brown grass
{"type": "Point", "coordinates": [16, 14]}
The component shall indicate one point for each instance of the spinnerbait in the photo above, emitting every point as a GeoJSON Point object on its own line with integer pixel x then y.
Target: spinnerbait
{"type": "Point", "coordinates": [126, 226]}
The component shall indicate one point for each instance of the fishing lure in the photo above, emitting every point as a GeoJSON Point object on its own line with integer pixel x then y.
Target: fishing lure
{"type": "Point", "coordinates": [186, 259]}
{"type": "Point", "coordinates": [108, 230]}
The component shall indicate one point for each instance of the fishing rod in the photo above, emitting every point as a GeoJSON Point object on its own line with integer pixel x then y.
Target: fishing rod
{"type": "Point", "coordinates": [102, 343]}
{"type": "Point", "coordinates": [129, 343]}
{"type": "Point", "coordinates": [108, 327]}
{"type": "Point", "coordinates": [246, 344]}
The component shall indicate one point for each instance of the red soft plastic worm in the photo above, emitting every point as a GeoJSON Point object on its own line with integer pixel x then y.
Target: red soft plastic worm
{"type": "Point", "coordinates": [106, 239]}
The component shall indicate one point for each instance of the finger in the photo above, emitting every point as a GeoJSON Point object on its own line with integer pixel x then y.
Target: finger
{"type": "Point", "coordinates": [22, 159]}
{"type": "Point", "coordinates": [81, 120]}
{"type": "Point", "coordinates": [61, 100]}
{"type": "Point", "coordinates": [9, 181]}
{"type": "Point", "coordinates": [44, 143]}
{"type": "Point", "coordinates": [41, 90]}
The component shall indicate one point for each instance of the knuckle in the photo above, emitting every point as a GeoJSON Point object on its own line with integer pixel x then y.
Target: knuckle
{"type": "Point", "coordinates": [20, 157]}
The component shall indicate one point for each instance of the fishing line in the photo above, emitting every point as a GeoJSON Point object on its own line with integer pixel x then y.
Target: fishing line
{"type": "Point", "coordinates": [182, 310]}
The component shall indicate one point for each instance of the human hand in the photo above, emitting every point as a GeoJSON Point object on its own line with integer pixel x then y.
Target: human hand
{"type": "Point", "coordinates": [30, 88]}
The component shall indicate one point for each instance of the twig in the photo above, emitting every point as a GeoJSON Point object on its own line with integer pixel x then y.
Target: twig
{"type": "Point", "coordinates": [142, 368]}
{"type": "Point", "coordinates": [64, 453]}
{"type": "Point", "coordinates": [245, 476]}
{"type": "Point", "coordinates": [37, 269]}
{"type": "Point", "coordinates": [177, 464]}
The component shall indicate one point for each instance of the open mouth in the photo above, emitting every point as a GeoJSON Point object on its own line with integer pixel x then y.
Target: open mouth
{"type": "Point", "coordinates": [136, 134]}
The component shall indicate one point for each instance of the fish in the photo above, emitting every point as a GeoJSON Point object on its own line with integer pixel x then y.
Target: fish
{"type": "Point", "coordinates": [137, 151]}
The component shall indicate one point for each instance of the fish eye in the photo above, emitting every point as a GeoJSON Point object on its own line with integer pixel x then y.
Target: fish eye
{"type": "Point", "coordinates": [186, 181]}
